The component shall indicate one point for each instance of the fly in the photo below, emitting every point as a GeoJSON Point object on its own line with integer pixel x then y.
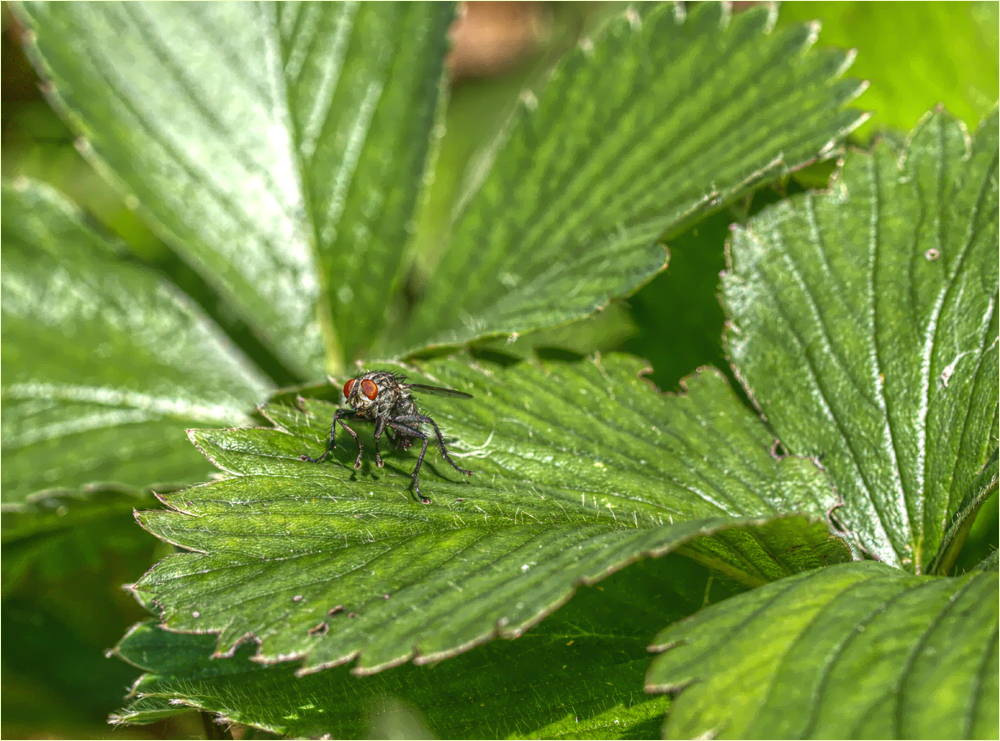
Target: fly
{"type": "Point", "coordinates": [383, 398]}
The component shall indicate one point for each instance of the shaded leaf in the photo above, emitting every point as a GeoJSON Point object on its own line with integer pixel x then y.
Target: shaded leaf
{"type": "Point", "coordinates": [54, 533]}
{"type": "Point", "coordinates": [105, 364]}
{"type": "Point", "coordinates": [990, 563]}
{"type": "Point", "coordinates": [656, 120]}
{"type": "Point", "coordinates": [54, 679]}
{"type": "Point", "coordinates": [857, 650]}
{"type": "Point", "coordinates": [604, 331]}
{"type": "Point", "coordinates": [678, 316]}
{"type": "Point", "coordinates": [579, 673]}
{"type": "Point", "coordinates": [983, 538]}
{"type": "Point", "coordinates": [580, 469]}
{"type": "Point", "coordinates": [864, 323]}
{"type": "Point", "coordinates": [65, 557]}
{"type": "Point", "coordinates": [984, 487]}
{"type": "Point", "coordinates": [283, 158]}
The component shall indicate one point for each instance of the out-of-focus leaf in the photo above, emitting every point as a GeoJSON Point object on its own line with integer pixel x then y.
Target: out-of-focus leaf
{"type": "Point", "coordinates": [989, 563]}
{"type": "Point", "coordinates": [38, 145]}
{"type": "Point", "coordinates": [915, 56]}
{"type": "Point", "coordinates": [984, 487]}
{"type": "Point", "coordinates": [642, 129]}
{"type": "Point", "coordinates": [65, 558]}
{"type": "Point", "coordinates": [280, 147]}
{"type": "Point", "coordinates": [580, 469]}
{"type": "Point", "coordinates": [54, 654]}
{"type": "Point", "coordinates": [983, 538]}
{"type": "Point", "coordinates": [678, 318]}
{"type": "Point", "coordinates": [864, 324]}
{"type": "Point", "coordinates": [579, 673]}
{"type": "Point", "coordinates": [857, 650]}
{"type": "Point", "coordinates": [104, 363]}
{"type": "Point", "coordinates": [604, 331]}
{"type": "Point", "coordinates": [55, 533]}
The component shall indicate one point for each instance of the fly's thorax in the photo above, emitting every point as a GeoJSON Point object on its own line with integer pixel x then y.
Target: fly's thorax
{"type": "Point", "coordinates": [406, 406]}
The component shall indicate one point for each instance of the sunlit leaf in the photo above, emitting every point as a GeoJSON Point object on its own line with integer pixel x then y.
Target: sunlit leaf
{"type": "Point", "coordinates": [857, 650]}
{"type": "Point", "coordinates": [580, 469]}
{"type": "Point", "coordinates": [656, 120]}
{"type": "Point", "coordinates": [864, 323]}
{"type": "Point", "coordinates": [934, 52]}
{"type": "Point", "coordinates": [279, 147]}
{"type": "Point", "coordinates": [105, 364]}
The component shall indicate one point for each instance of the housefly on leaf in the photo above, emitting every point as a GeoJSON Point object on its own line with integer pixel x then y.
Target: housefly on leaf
{"type": "Point", "coordinates": [385, 399]}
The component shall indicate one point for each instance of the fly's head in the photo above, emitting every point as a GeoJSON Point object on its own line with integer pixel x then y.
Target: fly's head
{"type": "Point", "coordinates": [375, 394]}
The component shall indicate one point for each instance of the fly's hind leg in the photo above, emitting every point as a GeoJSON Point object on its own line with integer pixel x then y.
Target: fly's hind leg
{"type": "Point", "coordinates": [413, 420]}
{"type": "Point", "coordinates": [414, 432]}
{"type": "Point", "coordinates": [379, 428]}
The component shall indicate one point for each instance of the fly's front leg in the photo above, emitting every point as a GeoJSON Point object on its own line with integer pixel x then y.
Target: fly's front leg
{"type": "Point", "coordinates": [357, 461]}
{"type": "Point", "coordinates": [415, 419]}
{"type": "Point", "coordinates": [338, 416]}
{"type": "Point", "coordinates": [414, 432]}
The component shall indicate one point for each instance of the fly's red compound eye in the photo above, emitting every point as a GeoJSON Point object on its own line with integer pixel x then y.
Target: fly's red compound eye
{"type": "Point", "coordinates": [369, 389]}
{"type": "Point", "coordinates": [347, 388]}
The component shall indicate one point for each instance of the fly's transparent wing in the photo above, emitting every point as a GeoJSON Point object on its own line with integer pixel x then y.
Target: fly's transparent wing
{"type": "Point", "coordinates": [439, 391]}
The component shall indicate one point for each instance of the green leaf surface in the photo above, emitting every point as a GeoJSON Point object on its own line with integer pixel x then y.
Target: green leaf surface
{"type": "Point", "coordinates": [639, 131]}
{"type": "Point", "coordinates": [280, 147]}
{"type": "Point", "coordinates": [578, 674]}
{"type": "Point", "coordinates": [580, 469]}
{"type": "Point", "coordinates": [105, 364]}
{"type": "Point", "coordinates": [915, 55]}
{"type": "Point", "coordinates": [857, 650]}
{"type": "Point", "coordinates": [864, 324]}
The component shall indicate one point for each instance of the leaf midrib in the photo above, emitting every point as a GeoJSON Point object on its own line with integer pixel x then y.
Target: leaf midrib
{"type": "Point", "coordinates": [331, 345]}
{"type": "Point", "coordinates": [846, 439]}
{"type": "Point", "coordinates": [113, 398]}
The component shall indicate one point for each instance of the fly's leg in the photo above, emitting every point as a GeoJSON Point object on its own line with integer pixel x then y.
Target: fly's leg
{"type": "Point", "coordinates": [415, 419]}
{"type": "Point", "coordinates": [338, 416]}
{"type": "Point", "coordinates": [414, 432]}
{"type": "Point", "coordinates": [357, 461]}
{"type": "Point", "coordinates": [379, 427]}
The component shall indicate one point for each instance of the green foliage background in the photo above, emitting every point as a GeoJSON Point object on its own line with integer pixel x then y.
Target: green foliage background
{"type": "Point", "coordinates": [63, 565]}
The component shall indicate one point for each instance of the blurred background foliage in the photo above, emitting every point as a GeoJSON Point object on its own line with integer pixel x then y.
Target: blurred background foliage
{"type": "Point", "coordinates": [60, 612]}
